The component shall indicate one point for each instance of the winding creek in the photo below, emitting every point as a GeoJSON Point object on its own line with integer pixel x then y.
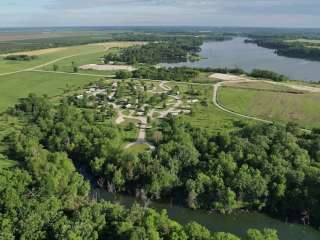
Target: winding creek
{"type": "Point", "coordinates": [237, 224]}
{"type": "Point", "coordinates": [236, 53]}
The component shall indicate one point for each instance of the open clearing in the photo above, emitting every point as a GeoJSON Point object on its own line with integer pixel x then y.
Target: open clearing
{"type": "Point", "coordinates": [15, 86]}
{"type": "Point", "coordinates": [227, 77]}
{"type": "Point", "coordinates": [283, 107]}
{"type": "Point", "coordinates": [244, 79]}
{"type": "Point", "coordinates": [263, 86]}
{"type": "Point", "coordinates": [107, 67]}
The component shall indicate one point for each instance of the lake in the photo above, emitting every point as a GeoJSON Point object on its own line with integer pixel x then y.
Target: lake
{"type": "Point", "coordinates": [237, 224]}
{"type": "Point", "coordinates": [236, 53]}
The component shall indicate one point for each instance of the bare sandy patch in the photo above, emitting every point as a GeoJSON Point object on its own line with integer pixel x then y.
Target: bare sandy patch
{"type": "Point", "coordinates": [242, 79]}
{"type": "Point", "coordinates": [107, 67]}
{"type": "Point", "coordinates": [35, 52]}
{"type": "Point", "coordinates": [227, 77]}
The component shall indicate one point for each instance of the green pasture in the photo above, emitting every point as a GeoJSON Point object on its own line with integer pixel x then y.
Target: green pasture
{"type": "Point", "coordinates": [283, 107]}
{"type": "Point", "coordinates": [15, 86]}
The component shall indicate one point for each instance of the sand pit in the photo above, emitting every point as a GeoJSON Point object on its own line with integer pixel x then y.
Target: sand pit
{"type": "Point", "coordinates": [107, 67]}
{"type": "Point", "coordinates": [227, 77]}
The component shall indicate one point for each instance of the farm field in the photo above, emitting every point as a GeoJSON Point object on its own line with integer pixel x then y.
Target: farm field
{"type": "Point", "coordinates": [273, 105]}
{"type": "Point", "coordinates": [63, 54]}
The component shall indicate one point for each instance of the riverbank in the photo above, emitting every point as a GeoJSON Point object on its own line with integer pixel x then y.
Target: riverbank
{"type": "Point", "coordinates": [237, 223]}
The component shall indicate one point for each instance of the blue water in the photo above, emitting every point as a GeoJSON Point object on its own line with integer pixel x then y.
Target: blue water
{"type": "Point", "coordinates": [236, 53]}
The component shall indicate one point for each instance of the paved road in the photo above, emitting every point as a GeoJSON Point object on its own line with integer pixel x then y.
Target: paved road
{"type": "Point", "coordinates": [216, 103]}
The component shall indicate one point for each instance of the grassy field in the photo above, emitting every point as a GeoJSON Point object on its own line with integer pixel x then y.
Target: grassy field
{"type": "Point", "coordinates": [76, 51]}
{"type": "Point", "coordinates": [15, 86]}
{"type": "Point", "coordinates": [283, 107]}
{"type": "Point", "coordinates": [263, 86]}
{"type": "Point", "coordinates": [10, 66]}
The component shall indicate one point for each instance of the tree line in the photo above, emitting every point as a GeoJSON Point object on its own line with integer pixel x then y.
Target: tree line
{"type": "Point", "coordinates": [288, 49]}
{"type": "Point", "coordinates": [154, 73]}
{"type": "Point", "coordinates": [21, 57]}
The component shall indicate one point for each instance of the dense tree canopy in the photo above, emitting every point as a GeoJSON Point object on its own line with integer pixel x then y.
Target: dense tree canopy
{"type": "Point", "coordinates": [258, 73]}
{"type": "Point", "coordinates": [169, 74]}
{"type": "Point", "coordinates": [172, 51]}
{"type": "Point", "coordinates": [46, 198]}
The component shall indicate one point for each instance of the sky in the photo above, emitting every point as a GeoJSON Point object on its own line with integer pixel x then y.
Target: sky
{"type": "Point", "coordinates": [247, 13]}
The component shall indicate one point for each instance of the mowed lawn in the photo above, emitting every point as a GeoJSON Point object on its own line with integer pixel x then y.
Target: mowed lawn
{"type": "Point", "coordinates": [283, 107]}
{"type": "Point", "coordinates": [15, 86]}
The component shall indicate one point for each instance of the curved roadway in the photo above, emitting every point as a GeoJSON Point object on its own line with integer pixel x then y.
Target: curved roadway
{"type": "Point", "coordinates": [216, 103]}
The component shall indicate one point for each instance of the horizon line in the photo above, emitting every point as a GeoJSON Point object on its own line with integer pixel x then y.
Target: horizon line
{"type": "Point", "coordinates": [157, 26]}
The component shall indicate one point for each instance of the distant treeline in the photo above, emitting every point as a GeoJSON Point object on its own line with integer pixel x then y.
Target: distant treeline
{"type": "Point", "coordinates": [97, 37]}
{"type": "Point", "coordinates": [21, 57]}
{"type": "Point", "coordinates": [288, 49]}
{"type": "Point", "coordinates": [172, 51]}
